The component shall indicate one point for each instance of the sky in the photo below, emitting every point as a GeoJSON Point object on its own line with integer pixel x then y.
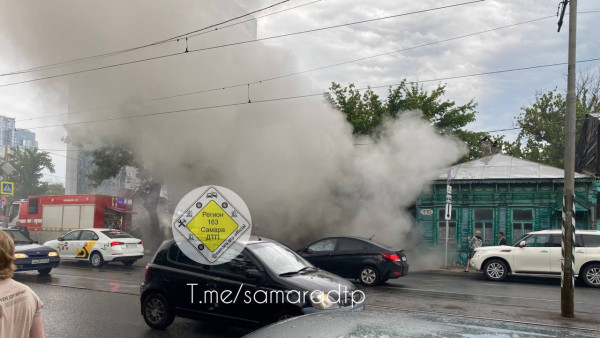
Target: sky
{"type": "Point", "coordinates": [37, 34]}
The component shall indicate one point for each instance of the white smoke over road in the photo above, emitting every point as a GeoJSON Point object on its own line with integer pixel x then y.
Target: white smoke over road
{"type": "Point", "coordinates": [294, 162]}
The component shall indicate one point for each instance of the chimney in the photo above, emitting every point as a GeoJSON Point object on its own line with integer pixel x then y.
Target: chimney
{"type": "Point", "coordinates": [496, 148]}
{"type": "Point", "coordinates": [486, 147]}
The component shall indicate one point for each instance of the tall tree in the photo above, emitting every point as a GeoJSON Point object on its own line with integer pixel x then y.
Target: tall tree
{"type": "Point", "coordinates": [109, 161]}
{"type": "Point", "coordinates": [29, 164]}
{"type": "Point", "coordinates": [366, 111]}
{"type": "Point", "coordinates": [542, 135]}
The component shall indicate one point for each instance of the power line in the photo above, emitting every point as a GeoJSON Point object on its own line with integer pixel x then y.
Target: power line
{"type": "Point", "coordinates": [175, 38]}
{"type": "Point", "coordinates": [306, 95]}
{"type": "Point", "coordinates": [294, 73]}
{"type": "Point", "coordinates": [237, 43]}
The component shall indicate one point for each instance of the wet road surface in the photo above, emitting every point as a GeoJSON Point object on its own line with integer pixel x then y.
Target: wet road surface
{"type": "Point", "coordinates": [80, 300]}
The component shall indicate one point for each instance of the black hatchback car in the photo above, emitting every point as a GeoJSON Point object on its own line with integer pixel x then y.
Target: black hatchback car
{"type": "Point", "coordinates": [31, 256]}
{"type": "Point", "coordinates": [357, 258]}
{"type": "Point", "coordinates": [265, 283]}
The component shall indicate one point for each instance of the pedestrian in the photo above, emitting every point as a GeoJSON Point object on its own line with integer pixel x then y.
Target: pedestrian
{"type": "Point", "coordinates": [20, 307]}
{"type": "Point", "coordinates": [502, 240]}
{"type": "Point", "coordinates": [475, 242]}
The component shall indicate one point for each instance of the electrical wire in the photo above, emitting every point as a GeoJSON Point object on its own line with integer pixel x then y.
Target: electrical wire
{"type": "Point", "coordinates": [172, 39]}
{"type": "Point", "coordinates": [304, 96]}
{"type": "Point", "coordinates": [292, 74]}
{"type": "Point", "coordinates": [236, 44]}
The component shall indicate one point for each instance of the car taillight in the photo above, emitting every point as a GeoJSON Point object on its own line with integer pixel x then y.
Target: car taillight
{"type": "Point", "coordinates": [391, 257]}
{"type": "Point", "coordinates": [116, 243]}
{"type": "Point", "coordinates": [146, 270]}
{"type": "Point", "coordinates": [141, 243]}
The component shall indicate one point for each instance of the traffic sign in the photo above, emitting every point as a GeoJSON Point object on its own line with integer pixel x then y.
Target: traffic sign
{"type": "Point", "coordinates": [7, 188]}
{"type": "Point", "coordinates": [448, 215]}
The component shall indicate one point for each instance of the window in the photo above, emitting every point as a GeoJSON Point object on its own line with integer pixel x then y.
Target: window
{"type": "Point", "coordinates": [522, 222]}
{"type": "Point", "coordinates": [33, 206]}
{"type": "Point", "coordinates": [88, 236]}
{"type": "Point", "coordinates": [442, 227]}
{"type": "Point", "coordinates": [177, 256]}
{"type": "Point", "coordinates": [324, 245]}
{"type": "Point", "coordinates": [72, 236]}
{"type": "Point", "coordinates": [237, 266]}
{"type": "Point", "coordinates": [591, 241]}
{"type": "Point", "coordinates": [538, 241]}
{"type": "Point", "coordinates": [556, 241]}
{"type": "Point", "coordinates": [484, 221]}
{"type": "Point", "coordinates": [116, 234]}
{"type": "Point", "coordinates": [348, 244]}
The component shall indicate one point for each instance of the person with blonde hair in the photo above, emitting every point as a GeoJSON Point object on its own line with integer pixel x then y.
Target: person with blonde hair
{"type": "Point", "coordinates": [20, 307]}
{"type": "Point", "coordinates": [475, 242]}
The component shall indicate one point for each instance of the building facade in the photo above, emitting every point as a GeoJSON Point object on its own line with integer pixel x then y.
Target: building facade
{"type": "Point", "coordinates": [10, 137]}
{"type": "Point", "coordinates": [500, 193]}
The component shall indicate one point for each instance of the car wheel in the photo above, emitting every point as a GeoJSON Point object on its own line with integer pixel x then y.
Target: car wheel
{"type": "Point", "coordinates": [44, 271]}
{"type": "Point", "coordinates": [495, 270]}
{"type": "Point", "coordinates": [368, 275]}
{"type": "Point", "coordinates": [591, 275]}
{"type": "Point", "coordinates": [128, 263]}
{"type": "Point", "coordinates": [157, 312]}
{"type": "Point", "coordinates": [96, 259]}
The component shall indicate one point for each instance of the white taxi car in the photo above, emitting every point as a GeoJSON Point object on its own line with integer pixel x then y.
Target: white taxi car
{"type": "Point", "coordinates": [539, 253]}
{"type": "Point", "coordinates": [98, 246]}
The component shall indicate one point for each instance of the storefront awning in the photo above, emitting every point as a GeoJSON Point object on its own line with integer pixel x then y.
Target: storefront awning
{"type": "Point", "coordinates": [121, 210]}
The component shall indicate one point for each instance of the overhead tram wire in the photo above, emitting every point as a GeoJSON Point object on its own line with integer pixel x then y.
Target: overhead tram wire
{"type": "Point", "coordinates": [238, 43]}
{"type": "Point", "coordinates": [289, 74]}
{"type": "Point", "coordinates": [245, 102]}
{"type": "Point", "coordinates": [172, 39]}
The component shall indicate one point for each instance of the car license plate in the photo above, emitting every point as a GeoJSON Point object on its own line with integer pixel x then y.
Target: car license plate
{"type": "Point", "coordinates": [40, 261]}
{"type": "Point", "coordinates": [130, 245]}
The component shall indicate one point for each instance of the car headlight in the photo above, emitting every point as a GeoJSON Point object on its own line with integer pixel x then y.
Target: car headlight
{"type": "Point", "coordinates": [320, 300]}
{"type": "Point", "coordinates": [52, 254]}
{"type": "Point", "coordinates": [21, 255]}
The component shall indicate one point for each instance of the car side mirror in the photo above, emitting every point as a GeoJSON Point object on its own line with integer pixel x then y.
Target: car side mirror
{"type": "Point", "coordinates": [60, 239]}
{"type": "Point", "coordinates": [522, 244]}
{"type": "Point", "coordinates": [308, 251]}
{"type": "Point", "coordinates": [255, 274]}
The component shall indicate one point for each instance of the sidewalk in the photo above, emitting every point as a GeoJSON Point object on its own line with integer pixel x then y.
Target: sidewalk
{"type": "Point", "coordinates": [451, 270]}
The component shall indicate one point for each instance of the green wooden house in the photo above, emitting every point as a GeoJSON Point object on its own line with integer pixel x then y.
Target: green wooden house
{"type": "Point", "coordinates": [500, 193]}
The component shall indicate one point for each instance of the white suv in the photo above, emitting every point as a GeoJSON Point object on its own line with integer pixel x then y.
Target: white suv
{"type": "Point", "coordinates": [539, 253]}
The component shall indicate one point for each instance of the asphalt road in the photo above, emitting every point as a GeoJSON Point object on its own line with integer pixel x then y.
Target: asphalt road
{"type": "Point", "coordinates": [83, 301]}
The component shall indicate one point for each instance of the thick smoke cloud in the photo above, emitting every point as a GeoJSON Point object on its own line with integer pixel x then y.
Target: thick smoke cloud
{"type": "Point", "coordinates": [294, 162]}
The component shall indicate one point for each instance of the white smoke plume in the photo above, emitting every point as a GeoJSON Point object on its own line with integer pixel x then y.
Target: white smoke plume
{"type": "Point", "coordinates": [294, 162]}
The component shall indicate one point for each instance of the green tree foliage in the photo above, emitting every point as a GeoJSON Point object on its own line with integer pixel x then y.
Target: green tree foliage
{"type": "Point", "coordinates": [367, 111]}
{"type": "Point", "coordinates": [109, 161]}
{"type": "Point", "coordinates": [55, 189]}
{"type": "Point", "coordinates": [542, 135]}
{"type": "Point", "coordinates": [29, 164]}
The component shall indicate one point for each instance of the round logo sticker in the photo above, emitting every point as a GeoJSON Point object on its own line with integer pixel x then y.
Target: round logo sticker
{"type": "Point", "coordinates": [211, 225]}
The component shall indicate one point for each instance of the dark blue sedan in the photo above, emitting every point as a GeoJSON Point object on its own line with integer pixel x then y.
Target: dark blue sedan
{"type": "Point", "coordinates": [31, 256]}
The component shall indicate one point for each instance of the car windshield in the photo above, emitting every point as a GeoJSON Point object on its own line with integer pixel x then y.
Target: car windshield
{"type": "Point", "coordinates": [278, 258]}
{"type": "Point", "coordinates": [116, 234]}
{"type": "Point", "coordinates": [19, 237]}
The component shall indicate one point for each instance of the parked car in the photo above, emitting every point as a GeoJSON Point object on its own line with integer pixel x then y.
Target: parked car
{"type": "Point", "coordinates": [31, 256]}
{"type": "Point", "coordinates": [266, 282]}
{"type": "Point", "coordinates": [357, 258]}
{"type": "Point", "coordinates": [406, 325]}
{"type": "Point", "coordinates": [99, 246]}
{"type": "Point", "coordinates": [539, 253]}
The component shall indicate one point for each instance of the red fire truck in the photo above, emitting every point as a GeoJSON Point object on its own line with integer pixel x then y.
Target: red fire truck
{"type": "Point", "coordinates": [47, 217]}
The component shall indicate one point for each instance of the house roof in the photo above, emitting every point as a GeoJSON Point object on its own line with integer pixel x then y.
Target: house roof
{"type": "Point", "coordinates": [501, 166]}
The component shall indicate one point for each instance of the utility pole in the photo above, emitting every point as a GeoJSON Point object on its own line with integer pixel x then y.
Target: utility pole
{"type": "Point", "coordinates": [568, 230]}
